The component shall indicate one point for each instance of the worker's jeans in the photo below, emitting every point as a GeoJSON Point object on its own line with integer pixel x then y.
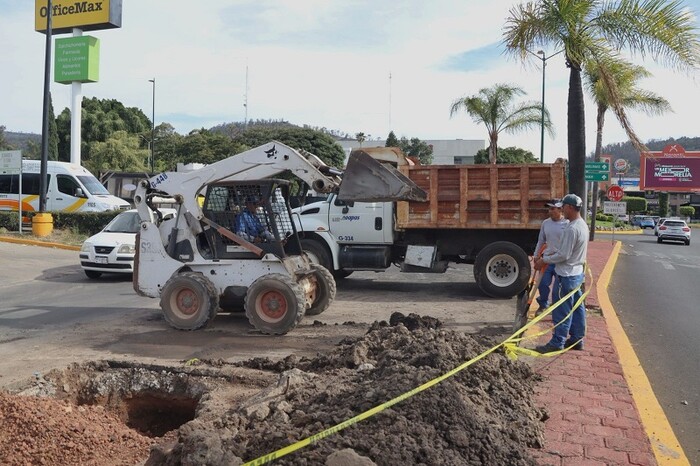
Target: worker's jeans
{"type": "Point", "coordinates": [544, 287]}
{"type": "Point", "coordinates": [574, 325]}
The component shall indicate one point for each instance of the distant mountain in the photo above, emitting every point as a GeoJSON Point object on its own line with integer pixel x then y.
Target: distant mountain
{"type": "Point", "coordinates": [625, 150]}
{"type": "Point", "coordinates": [21, 141]}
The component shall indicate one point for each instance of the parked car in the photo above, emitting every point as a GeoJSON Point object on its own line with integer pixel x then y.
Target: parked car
{"type": "Point", "coordinates": [623, 218]}
{"type": "Point", "coordinates": [112, 250]}
{"type": "Point", "coordinates": [674, 230]}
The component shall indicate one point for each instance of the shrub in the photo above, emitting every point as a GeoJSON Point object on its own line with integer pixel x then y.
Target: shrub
{"type": "Point", "coordinates": [635, 204]}
{"type": "Point", "coordinates": [686, 210]}
{"type": "Point", "coordinates": [87, 223]}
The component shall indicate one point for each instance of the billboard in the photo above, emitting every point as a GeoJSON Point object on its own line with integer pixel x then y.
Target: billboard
{"type": "Point", "coordinates": [673, 169]}
{"type": "Point", "coordinates": [77, 59]}
{"type": "Point", "coordinates": [88, 15]}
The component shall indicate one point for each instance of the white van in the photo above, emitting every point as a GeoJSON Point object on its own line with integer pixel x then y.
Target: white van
{"type": "Point", "coordinates": [70, 188]}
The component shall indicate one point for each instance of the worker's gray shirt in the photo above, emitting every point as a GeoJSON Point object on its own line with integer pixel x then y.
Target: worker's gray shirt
{"type": "Point", "coordinates": [570, 255]}
{"type": "Point", "coordinates": [550, 234]}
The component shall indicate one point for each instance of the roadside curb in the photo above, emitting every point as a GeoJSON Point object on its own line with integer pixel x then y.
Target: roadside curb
{"type": "Point", "coordinates": [623, 232]}
{"type": "Point", "coordinates": [664, 443]}
{"type": "Point", "coordinates": [44, 244]}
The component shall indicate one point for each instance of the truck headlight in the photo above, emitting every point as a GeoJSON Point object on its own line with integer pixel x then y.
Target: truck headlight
{"type": "Point", "coordinates": [127, 249]}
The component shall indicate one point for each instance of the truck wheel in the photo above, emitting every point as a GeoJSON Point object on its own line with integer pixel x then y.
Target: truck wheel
{"type": "Point", "coordinates": [502, 269]}
{"type": "Point", "coordinates": [325, 290]}
{"type": "Point", "coordinates": [274, 304]}
{"type": "Point", "coordinates": [189, 301]}
{"type": "Point", "coordinates": [317, 253]}
{"type": "Point", "coordinates": [93, 274]}
{"type": "Point", "coordinates": [340, 274]}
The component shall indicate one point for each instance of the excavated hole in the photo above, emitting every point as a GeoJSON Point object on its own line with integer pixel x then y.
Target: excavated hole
{"type": "Point", "coordinates": [150, 399]}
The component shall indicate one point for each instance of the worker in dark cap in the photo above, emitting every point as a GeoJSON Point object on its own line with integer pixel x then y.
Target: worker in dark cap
{"type": "Point", "coordinates": [549, 238]}
{"type": "Point", "coordinates": [248, 225]}
{"type": "Point", "coordinates": [569, 258]}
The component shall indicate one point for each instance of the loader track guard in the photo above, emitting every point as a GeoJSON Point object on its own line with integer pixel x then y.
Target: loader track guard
{"type": "Point", "coordinates": [370, 176]}
{"type": "Point", "coordinates": [255, 211]}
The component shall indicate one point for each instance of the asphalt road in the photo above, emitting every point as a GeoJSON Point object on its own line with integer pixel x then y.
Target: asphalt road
{"type": "Point", "coordinates": [654, 289]}
{"type": "Point", "coordinates": [51, 314]}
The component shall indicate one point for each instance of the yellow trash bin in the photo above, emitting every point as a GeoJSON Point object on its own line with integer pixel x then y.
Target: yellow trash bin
{"type": "Point", "coordinates": [42, 224]}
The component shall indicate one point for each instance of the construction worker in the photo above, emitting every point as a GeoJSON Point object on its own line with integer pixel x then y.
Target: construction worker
{"type": "Point", "coordinates": [550, 235]}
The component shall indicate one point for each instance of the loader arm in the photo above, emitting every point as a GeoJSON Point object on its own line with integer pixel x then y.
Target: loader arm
{"type": "Point", "coordinates": [265, 161]}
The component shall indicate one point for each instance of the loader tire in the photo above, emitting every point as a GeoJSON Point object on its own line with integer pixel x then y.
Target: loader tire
{"type": "Point", "coordinates": [325, 290]}
{"type": "Point", "coordinates": [274, 304]}
{"type": "Point", "coordinates": [189, 301]}
{"type": "Point", "coordinates": [502, 269]}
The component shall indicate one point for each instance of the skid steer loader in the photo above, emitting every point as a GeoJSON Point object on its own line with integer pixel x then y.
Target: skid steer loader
{"type": "Point", "coordinates": [241, 241]}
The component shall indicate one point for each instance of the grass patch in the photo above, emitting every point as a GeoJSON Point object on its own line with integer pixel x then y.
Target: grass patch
{"type": "Point", "coordinates": [67, 236]}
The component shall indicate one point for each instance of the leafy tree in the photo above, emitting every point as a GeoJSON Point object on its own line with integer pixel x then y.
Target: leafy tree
{"type": "Point", "coordinates": [121, 152]}
{"type": "Point", "coordinates": [635, 204]}
{"type": "Point", "coordinates": [494, 107]}
{"type": "Point", "coordinates": [53, 133]}
{"type": "Point", "coordinates": [100, 119]}
{"type": "Point", "coordinates": [203, 146]}
{"type": "Point", "coordinates": [589, 30]}
{"type": "Point", "coordinates": [507, 155]}
{"type": "Point", "coordinates": [686, 210]}
{"type": "Point", "coordinates": [417, 148]}
{"type": "Point", "coordinates": [391, 140]}
{"type": "Point", "coordinates": [4, 145]}
{"type": "Point", "coordinates": [624, 75]}
{"type": "Point", "coordinates": [663, 204]}
{"type": "Point", "coordinates": [311, 140]}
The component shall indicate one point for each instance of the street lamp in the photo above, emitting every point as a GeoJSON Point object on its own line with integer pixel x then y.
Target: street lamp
{"type": "Point", "coordinates": [541, 55]}
{"type": "Point", "coordinates": [153, 123]}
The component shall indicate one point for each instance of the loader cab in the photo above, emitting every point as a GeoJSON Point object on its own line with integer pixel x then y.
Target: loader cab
{"type": "Point", "coordinates": [257, 212]}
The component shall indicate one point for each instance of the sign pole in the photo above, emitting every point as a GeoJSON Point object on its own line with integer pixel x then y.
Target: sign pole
{"type": "Point", "coordinates": [45, 120]}
{"type": "Point", "coordinates": [76, 114]}
{"type": "Point", "coordinates": [19, 195]}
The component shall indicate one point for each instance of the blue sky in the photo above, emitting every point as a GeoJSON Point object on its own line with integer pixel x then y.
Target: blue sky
{"type": "Point", "coordinates": [324, 63]}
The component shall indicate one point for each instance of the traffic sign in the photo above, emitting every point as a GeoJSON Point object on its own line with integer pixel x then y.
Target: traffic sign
{"type": "Point", "coordinates": [597, 166]}
{"type": "Point", "coordinates": [615, 208]}
{"type": "Point", "coordinates": [597, 176]}
{"type": "Point", "coordinates": [615, 193]}
{"type": "Point", "coordinates": [621, 165]}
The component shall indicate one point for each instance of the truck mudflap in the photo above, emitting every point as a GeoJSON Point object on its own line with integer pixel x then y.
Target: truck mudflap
{"type": "Point", "coordinates": [368, 180]}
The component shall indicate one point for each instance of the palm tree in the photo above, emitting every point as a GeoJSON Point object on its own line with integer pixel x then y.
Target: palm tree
{"type": "Point", "coordinates": [494, 108]}
{"type": "Point", "coordinates": [589, 29]}
{"type": "Point", "coordinates": [624, 75]}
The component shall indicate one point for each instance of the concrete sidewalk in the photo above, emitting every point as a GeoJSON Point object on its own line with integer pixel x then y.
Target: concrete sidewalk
{"type": "Point", "coordinates": [594, 414]}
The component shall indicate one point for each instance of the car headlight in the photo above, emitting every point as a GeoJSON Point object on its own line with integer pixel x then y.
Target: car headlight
{"type": "Point", "coordinates": [127, 249]}
{"type": "Point", "coordinates": [85, 247]}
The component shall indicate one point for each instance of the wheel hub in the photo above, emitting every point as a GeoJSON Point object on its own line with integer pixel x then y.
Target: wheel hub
{"type": "Point", "coordinates": [502, 270]}
{"type": "Point", "coordinates": [187, 301]}
{"type": "Point", "coordinates": [273, 304]}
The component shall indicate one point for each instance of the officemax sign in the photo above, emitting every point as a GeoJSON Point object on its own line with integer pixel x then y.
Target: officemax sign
{"type": "Point", "coordinates": [88, 15]}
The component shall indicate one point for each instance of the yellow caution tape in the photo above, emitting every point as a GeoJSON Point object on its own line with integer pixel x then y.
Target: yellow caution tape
{"type": "Point", "coordinates": [511, 349]}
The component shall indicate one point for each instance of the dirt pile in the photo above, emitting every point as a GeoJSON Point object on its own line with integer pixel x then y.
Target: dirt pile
{"type": "Point", "coordinates": [483, 415]}
{"type": "Point", "coordinates": [47, 431]}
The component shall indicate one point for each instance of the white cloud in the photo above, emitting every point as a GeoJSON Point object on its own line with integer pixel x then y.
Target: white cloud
{"type": "Point", "coordinates": [318, 62]}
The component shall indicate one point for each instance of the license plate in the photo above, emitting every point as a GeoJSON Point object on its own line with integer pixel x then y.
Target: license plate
{"type": "Point", "coordinates": [100, 260]}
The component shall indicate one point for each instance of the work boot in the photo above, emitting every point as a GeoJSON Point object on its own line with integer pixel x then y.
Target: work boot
{"type": "Point", "coordinates": [540, 310]}
{"type": "Point", "coordinates": [544, 349]}
{"type": "Point", "coordinates": [578, 346]}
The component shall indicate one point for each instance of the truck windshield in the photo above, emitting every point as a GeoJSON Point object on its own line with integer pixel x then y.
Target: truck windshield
{"type": "Point", "coordinates": [92, 185]}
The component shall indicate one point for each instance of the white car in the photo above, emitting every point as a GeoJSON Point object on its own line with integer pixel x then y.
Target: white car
{"type": "Point", "coordinates": [112, 250]}
{"type": "Point", "coordinates": [674, 230]}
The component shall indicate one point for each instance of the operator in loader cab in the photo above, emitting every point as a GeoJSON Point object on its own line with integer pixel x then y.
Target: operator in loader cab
{"type": "Point", "coordinates": [248, 225]}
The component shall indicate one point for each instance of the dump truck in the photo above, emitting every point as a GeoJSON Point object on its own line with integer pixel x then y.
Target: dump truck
{"type": "Point", "coordinates": [241, 241]}
{"type": "Point", "coordinates": [485, 215]}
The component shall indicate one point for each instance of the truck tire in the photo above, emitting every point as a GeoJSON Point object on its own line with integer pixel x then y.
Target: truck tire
{"type": "Point", "coordinates": [318, 254]}
{"type": "Point", "coordinates": [325, 290]}
{"type": "Point", "coordinates": [502, 269]}
{"type": "Point", "coordinates": [274, 304]}
{"type": "Point", "coordinates": [189, 301]}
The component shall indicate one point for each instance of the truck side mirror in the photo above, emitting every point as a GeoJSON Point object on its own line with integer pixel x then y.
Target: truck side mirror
{"type": "Point", "coordinates": [79, 192]}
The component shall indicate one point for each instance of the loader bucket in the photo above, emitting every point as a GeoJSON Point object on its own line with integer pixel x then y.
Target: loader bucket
{"type": "Point", "coordinates": [368, 180]}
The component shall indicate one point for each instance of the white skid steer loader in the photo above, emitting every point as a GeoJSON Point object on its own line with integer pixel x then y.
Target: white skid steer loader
{"type": "Point", "coordinates": [241, 241]}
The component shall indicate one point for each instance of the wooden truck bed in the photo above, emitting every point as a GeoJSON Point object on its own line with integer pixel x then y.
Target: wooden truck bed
{"type": "Point", "coordinates": [482, 196]}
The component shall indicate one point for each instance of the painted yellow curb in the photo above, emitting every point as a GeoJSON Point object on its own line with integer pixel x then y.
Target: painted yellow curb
{"type": "Point", "coordinates": [44, 244]}
{"type": "Point", "coordinates": [667, 449]}
{"type": "Point", "coordinates": [623, 232]}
